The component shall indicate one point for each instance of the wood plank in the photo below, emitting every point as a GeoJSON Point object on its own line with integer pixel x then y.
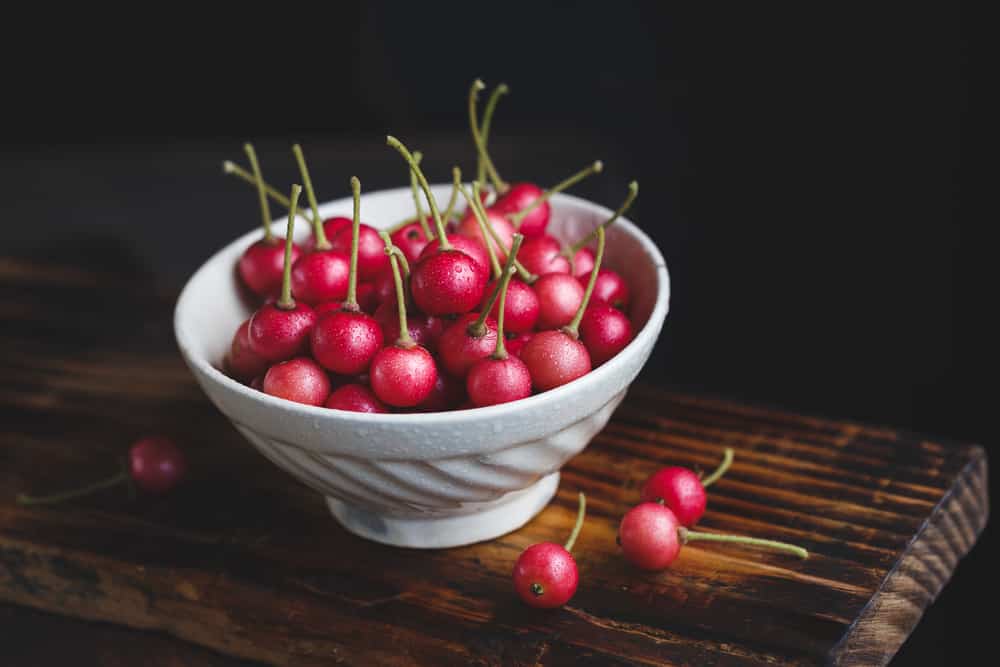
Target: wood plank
{"type": "Point", "coordinates": [246, 561]}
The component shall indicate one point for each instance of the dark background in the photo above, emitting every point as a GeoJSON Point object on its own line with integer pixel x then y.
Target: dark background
{"type": "Point", "coordinates": [809, 173]}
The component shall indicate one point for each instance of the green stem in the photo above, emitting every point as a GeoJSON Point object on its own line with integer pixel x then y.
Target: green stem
{"type": "Point", "coordinates": [484, 130]}
{"type": "Point", "coordinates": [286, 302]}
{"type": "Point", "coordinates": [480, 220]}
{"type": "Point", "coordinates": [477, 138]}
{"type": "Point", "coordinates": [322, 243]}
{"type": "Point", "coordinates": [405, 340]}
{"type": "Point", "coordinates": [690, 536]}
{"type": "Point", "coordinates": [573, 328]}
{"type": "Point", "coordinates": [727, 460]}
{"type": "Point", "coordinates": [596, 168]}
{"type": "Point", "coordinates": [55, 498]}
{"type": "Point", "coordinates": [526, 276]}
{"type": "Point", "coordinates": [580, 513]}
{"type": "Point", "coordinates": [351, 303]}
{"type": "Point", "coordinates": [265, 209]}
{"type": "Point", "coordinates": [633, 191]}
{"type": "Point", "coordinates": [403, 262]}
{"type": "Point", "coordinates": [508, 271]}
{"type": "Point", "coordinates": [442, 237]}
{"type": "Point", "coordinates": [230, 167]}
{"type": "Point", "coordinates": [415, 190]}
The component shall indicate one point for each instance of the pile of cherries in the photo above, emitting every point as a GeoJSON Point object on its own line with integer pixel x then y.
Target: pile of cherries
{"type": "Point", "coordinates": [447, 310]}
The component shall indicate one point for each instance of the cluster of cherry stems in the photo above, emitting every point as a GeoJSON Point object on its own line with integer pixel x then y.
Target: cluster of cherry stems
{"type": "Point", "coordinates": [445, 311]}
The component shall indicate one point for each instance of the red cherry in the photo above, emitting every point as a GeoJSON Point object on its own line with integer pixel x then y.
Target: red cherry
{"type": "Point", "coordinates": [425, 330]}
{"type": "Point", "coordinates": [411, 240]}
{"type": "Point", "coordinates": [559, 298]}
{"type": "Point", "coordinates": [553, 358]}
{"type": "Point", "coordinates": [261, 264]}
{"type": "Point", "coordinates": [326, 308]}
{"type": "Point", "coordinates": [470, 247]}
{"type": "Point", "coordinates": [535, 210]}
{"type": "Point", "coordinates": [383, 288]}
{"type": "Point", "coordinates": [277, 333]}
{"type": "Point", "coordinates": [319, 276]}
{"type": "Point", "coordinates": [520, 196]}
{"type": "Point", "coordinates": [516, 342]}
{"type": "Point", "coordinates": [355, 398]}
{"type": "Point", "coordinates": [345, 342]}
{"type": "Point", "coordinates": [403, 377]}
{"type": "Point", "coordinates": [605, 331]}
{"type": "Point", "coordinates": [372, 259]}
{"type": "Point", "coordinates": [545, 575]}
{"type": "Point", "coordinates": [494, 381]}
{"type": "Point", "coordinates": [299, 379]}
{"type": "Point", "coordinates": [682, 491]}
{"type": "Point", "coordinates": [583, 263]}
{"type": "Point", "coordinates": [469, 228]}
{"type": "Point", "coordinates": [243, 363]}
{"type": "Point", "coordinates": [522, 306]}
{"type": "Point", "coordinates": [648, 536]}
{"type": "Point", "coordinates": [469, 339]}
{"type": "Point", "coordinates": [448, 394]}
{"type": "Point", "coordinates": [156, 464]}
{"type": "Point", "coordinates": [447, 282]}
{"type": "Point", "coordinates": [367, 297]}
{"type": "Point", "coordinates": [610, 288]}
{"type": "Point", "coordinates": [543, 254]}
{"type": "Point", "coordinates": [330, 227]}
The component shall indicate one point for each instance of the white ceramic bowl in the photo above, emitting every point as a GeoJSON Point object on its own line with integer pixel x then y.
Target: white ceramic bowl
{"type": "Point", "coordinates": [435, 479]}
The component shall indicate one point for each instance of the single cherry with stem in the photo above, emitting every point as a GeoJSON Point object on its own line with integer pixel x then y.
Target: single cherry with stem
{"type": "Point", "coordinates": [355, 398]}
{"type": "Point", "coordinates": [559, 297]}
{"type": "Point", "coordinates": [610, 288]}
{"type": "Point", "coordinates": [651, 537]}
{"type": "Point", "coordinates": [300, 379]}
{"type": "Point", "coordinates": [500, 378]}
{"type": "Point", "coordinates": [280, 330]}
{"type": "Point", "coordinates": [605, 331]}
{"type": "Point", "coordinates": [261, 265]}
{"type": "Point", "coordinates": [545, 574]}
{"type": "Point", "coordinates": [682, 490]}
{"type": "Point", "coordinates": [155, 464]}
{"type": "Point", "coordinates": [319, 275]}
{"type": "Point", "coordinates": [403, 374]}
{"type": "Point", "coordinates": [346, 341]}
{"type": "Point", "coordinates": [534, 218]}
{"type": "Point", "coordinates": [242, 362]}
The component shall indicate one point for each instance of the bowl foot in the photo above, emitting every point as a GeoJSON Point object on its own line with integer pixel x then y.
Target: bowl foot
{"type": "Point", "coordinates": [490, 520]}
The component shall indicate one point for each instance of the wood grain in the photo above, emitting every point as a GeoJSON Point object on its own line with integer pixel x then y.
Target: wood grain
{"type": "Point", "coordinates": [246, 561]}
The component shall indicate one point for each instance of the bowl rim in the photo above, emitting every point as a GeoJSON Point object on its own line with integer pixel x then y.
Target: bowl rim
{"type": "Point", "coordinates": [591, 381]}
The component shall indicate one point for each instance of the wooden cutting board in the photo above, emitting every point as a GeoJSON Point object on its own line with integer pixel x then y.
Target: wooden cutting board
{"type": "Point", "coordinates": [245, 560]}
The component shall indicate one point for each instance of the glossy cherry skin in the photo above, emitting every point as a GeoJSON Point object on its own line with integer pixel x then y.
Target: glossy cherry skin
{"type": "Point", "coordinates": [300, 379]}
{"type": "Point", "coordinates": [521, 196]}
{"type": "Point", "coordinates": [411, 240]}
{"type": "Point", "coordinates": [469, 228]}
{"type": "Point", "coordinates": [346, 342]}
{"type": "Point", "coordinates": [545, 575]}
{"type": "Point", "coordinates": [516, 342]}
{"type": "Point", "coordinates": [459, 351]}
{"type": "Point", "coordinates": [543, 254]}
{"type": "Point", "coordinates": [609, 288]}
{"type": "Point", "coordinates": [243, 363]}
{"type": "Point", "coordinates": [648, 536]}
{"type": "Point", "coordinates": [384, 287]}
{"type": "Point", "coordinates": [583, 263]}
{"type": "Point", "coordinates": [320, 276]}
{"type": "Point", "coordinates": [605, 331]}
{"type": "Point", "coordinates": [494, 381]}
{"type": "Point", "coordinates": [367, 298]}
{"type": "Point", "coordinates": [521, 309]}
{"type": "Point", "coordinates": [372, 259]}
{"type": "Point", "coordinates": [156, 464]}
{"type": "Point", "coordinates": [447, 282]}
{"type": "Point", "coordinates": [326, 308]}
{"type": "Point", "coordinates": [403, 377]}
{"type": "Point", "coordinates": [559, 297]}
{"type": "Point", "coordinates": [679, 489]}
{"type": "Point", "coordinates": [425, 330]}
{"type": "Point", "coordinates": [277, 334]}
{"type": "Point", "coordinates": [330, 228]}
{"type": "Point", "coordinates": [554, 358]}
{"type": "Point", "coordinates": [470, 247]}
{"type": "Point", "coordinates": [448, 394]}
{"type": "Point", "coordinates": [355, 398]}
{"type": "Point", "coordinates": [262, 264]}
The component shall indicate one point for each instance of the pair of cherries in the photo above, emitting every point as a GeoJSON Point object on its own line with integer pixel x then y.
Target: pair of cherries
{"type": "Point", "coordinates": [650, 535]}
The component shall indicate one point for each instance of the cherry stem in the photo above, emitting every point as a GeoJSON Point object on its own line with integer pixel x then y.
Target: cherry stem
{"type": "Point", "coordinates": [119, 477]}
{"type": "Point", "coordinates": [265, 209]}
{"type": "Point", "coordinates": [421, 218]}
{"type": "Point", "coordinates": [580, 513]}
{"type": "Point", "coordinates": [351, 303]}
{"type": "Point", "coordinates": [286, 302]}
{"type": "Point", "coordinates": [480, 220]}
{"type": "Point", "coordinates": [477, 138]}
{"type": "Point", "coordinates": [484, 127]}
{"type": "Point", "coordinates": [526, 276]}
{"type": "Point", "coordinates": [727, 460]}
{"type": "Point", "coordinates": [405, 340]}
{"type": "Point", "coordinates": [690, 535]}
{"type": "Point", "coordinates": [442, 237]}
{"type": "Point", "coordinates": [321, 241]}
{"type": "Point", "coordinates": [596, 168]}
{"type": "Point", "coordinates": [403, 262]}
{"type": "Point", "coordinates": [500, 352]}
{"type": "Point", "coordinates": [230, 167]}
{"type": "Point", "coordinates": [573, 328]}
{"type": "Point", "coordinates": [633, 191]}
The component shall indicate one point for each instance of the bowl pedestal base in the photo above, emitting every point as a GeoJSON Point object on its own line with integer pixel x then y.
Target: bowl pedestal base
{"type": "Point", "coordinates": [486, 522]}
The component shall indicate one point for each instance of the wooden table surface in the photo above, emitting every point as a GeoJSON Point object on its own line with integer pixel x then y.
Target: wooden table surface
{"type": "Point", "coordinates": [248, 563]}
